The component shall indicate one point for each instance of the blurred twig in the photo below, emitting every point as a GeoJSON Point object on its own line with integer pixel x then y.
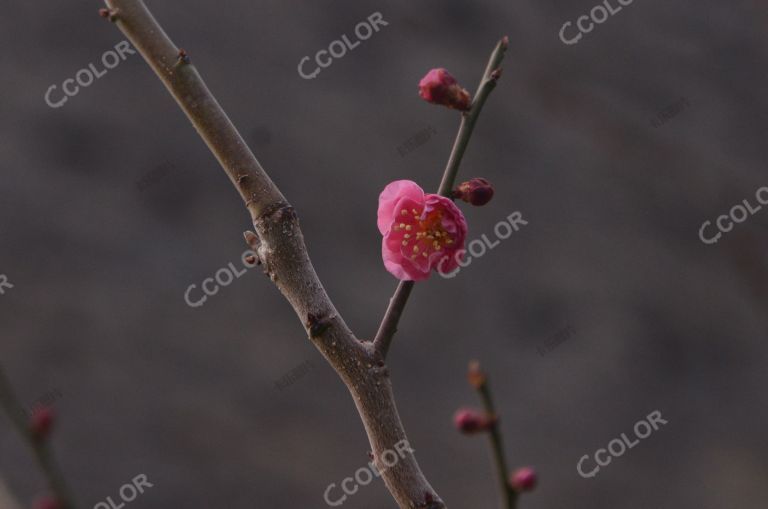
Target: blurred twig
{"type": "Point", "coordinates": [41, 448]}
{"type": "Point", "coordinates": [479, 380]}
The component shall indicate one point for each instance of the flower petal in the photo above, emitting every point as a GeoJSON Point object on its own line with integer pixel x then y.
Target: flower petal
{"type": "Point", "coordinates": [391, 196]}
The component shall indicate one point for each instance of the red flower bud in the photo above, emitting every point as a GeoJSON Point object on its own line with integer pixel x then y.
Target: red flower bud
{"type": "Point", "coordinates": [523, 479]}
{"type": "Point", "coordinates": [41, 422]}
{"type": "Point", "coordinates": [439, 87]}
{"type": "Point", "coordinates": [470, 421]}
{"type": "Point", "coordinates": [47, 503]}
{"type": "Point", "coordinates": [477, 191]}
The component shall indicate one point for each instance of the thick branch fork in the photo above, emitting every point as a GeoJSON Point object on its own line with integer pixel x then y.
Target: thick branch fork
{"type": "Point", "coordinates": [279, 243]}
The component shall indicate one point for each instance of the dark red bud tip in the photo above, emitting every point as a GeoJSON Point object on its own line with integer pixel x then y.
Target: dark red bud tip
{"type": "Point", "coordinates": [470, 421]}
{"type": "Point", "coordinates": [523, 479]}
{"type": "Point", "coordinates": [41, 422]}
{"type": "Point", "coordinates": [110, 14]}
{"type": "Point", "coordinates": [47, 503]}
{"type": "Point", "coordinates": [477, 191]}
{"type": "Point", "coordinates": [439, 87]}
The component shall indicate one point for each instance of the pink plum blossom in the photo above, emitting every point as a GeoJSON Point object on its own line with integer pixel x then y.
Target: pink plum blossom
{"type": "Point", "coordinates": [421, 231]}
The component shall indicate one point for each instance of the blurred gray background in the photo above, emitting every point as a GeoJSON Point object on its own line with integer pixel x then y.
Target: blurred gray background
{"type": "Point", "coordinates": [111, 207]}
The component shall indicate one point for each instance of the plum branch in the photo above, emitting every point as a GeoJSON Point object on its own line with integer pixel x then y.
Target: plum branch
{"type": "Point", "coordinates": [279, 243]}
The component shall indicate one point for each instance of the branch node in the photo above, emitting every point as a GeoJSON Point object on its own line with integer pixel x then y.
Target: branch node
{"type": "Point", "coordinates": [253, 241]}
{"type": "Point", "coordinates": [183, 57]}
{"type": "Point", "coordinates": [278, 211]}
{"type": "Point", "coordinates": [317, 325]}
{"type": "Point", "coordinates": [110, 14]}
{"type": "Point", "coordinates": [431, 503]}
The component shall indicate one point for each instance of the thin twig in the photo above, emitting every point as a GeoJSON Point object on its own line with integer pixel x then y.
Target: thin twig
{"type": "Point", "coordinates": [507, 493]}
{"type": "Point", "coordinates": [492, 73]}
{"type": "Point", "coordinates": [469, 119]}
{"type": "Point", "coordinates": [41, 448]}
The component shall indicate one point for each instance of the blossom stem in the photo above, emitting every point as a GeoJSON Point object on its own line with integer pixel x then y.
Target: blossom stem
{"type": "Point", "coordinates": [42, 451]}
{"type": "Point", "coordinates": [397, 303]}
{"type": "Point", "coordinates": [388, 326]}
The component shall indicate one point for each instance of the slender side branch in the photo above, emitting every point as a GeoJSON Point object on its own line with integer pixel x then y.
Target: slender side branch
{"type": "Point", "coordinates": [491, 76]}
{"type": "Point", "coordinates": [388, 326]}
{"type": "Point", "coordinates": [497, 447]}
{"type": "Point", "coordinates": [281, 250]}
{"type": "Point", "coordinates": [41, 448]}
{"type": "Point", "coordinates": [487, 84]}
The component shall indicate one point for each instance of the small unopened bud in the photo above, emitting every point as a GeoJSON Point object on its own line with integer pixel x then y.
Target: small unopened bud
{"type": "Point", "coordinates": [41, 422]}
{"type": "Point", "coordinates": [477, 191]}
{"type": "Point", "coordinates": [439, 87]}
{"type": "Point", "coordinates": [470, 421]}
{"type": "Point", "coordinates": [523, 479]}
{"type": "Point", "coordinates": [475, 376]}
{"type": "Point", "coordinates": [47, 503]}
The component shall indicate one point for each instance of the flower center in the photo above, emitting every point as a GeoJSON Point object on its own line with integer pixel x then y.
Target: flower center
{"type": "Point", "coordinates": [426, 236]}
